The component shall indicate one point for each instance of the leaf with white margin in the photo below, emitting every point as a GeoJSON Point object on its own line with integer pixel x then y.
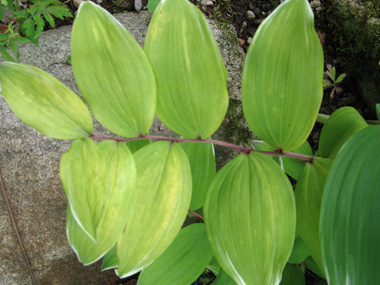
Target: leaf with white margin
{"type": "Point", "coordinates": [43, 102]}
{"type": "Point", "coordinates": [250, 219]}
{"type": "Point", "coordinates": [350, 212]}
{"type": "Point", "coordinates": [82, 173]}
{"type": "Point", "coordinates": [192, 96]}
{"type": "Point", "coordinates": [120, 180]}
{"type": "Point", "coordinates": [163, 194]}
{"type": "Point", "coordinates": [113, 73]}
{"type": "Point", "coordinates": [282, 82]}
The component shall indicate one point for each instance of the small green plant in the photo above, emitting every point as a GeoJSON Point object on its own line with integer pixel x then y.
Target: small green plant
{"type": "Point", "coordinates": [333, 82]}
{"type": "Point", "coordinates": [128, 196]}
{"type": "Point", "coordinates": [26, 25]}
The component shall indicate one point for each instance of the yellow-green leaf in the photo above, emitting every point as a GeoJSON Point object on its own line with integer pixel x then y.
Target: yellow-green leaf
{"type": "Point", "coordinates": [350, 212]}
{"type": "Point", "coordinates": [183, 261]}
{"type": "Point", "coordinates": [163, 194]}
{"type": "Point", "coordinates": [120, 180]}
{"type": "Point", "coordinates": [112, 72]}
{"type": "Point", "coordinates": [82, 172]}
{"type": "Point", "coordinates": [250, 219]}
{"type": "Point", "coordinates": [191, 77]}
{"type": "Point", "coordinates": [340, 126]}
{"type": "Point", "coordinates": [309, 191]}
{"type": "Point", "coordinates": [282, 77]}
{"type": "Point", "coordinates": [43, 102]}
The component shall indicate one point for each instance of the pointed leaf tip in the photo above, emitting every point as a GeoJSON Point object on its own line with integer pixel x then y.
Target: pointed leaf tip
{"type": "Point", "coordinates": [113, 73]}
{"type": "Point", "coordinates": [43, 102]}
{"type": "Point", "coordinates": [283, 77]}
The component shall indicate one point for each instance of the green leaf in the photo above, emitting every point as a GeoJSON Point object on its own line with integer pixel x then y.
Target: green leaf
{"type": "Point", "coordinates": [291, 166]}
{"type": "Point", "coordinates": [110, 260]}
{"type": "Point", "coordinates": [294, 167]}
{"type": "Point", "coordinates": [202, 162]}
{"type": "Point", "coordinates": [250, 219]}
{"type": "Point", "coordinates": [113, 73]}
{"type": "Point", "coordinates": [5, 54]}
{"type": "Point", "coordinates": [214, 266]}
{"type": "Point", "coordinates": [183, 261]}
{"type": "Point", "coordinates": [192, 95]}
{"type": "Point", "coordinates": [120, 179]}
{"type": "Point", "coordinates": [163, 194]}
{"type": "Point", "coordinates": [378, 111]}
{"type": "Point", "coordinates": [43, 102]}
{"type": "Point", "coordinates": [341, 125]}
{"type": "Point", "coordinates": [350, 212]}
{"type": "Point", "coordinates": [309, 191]}
{"type": "Point", "coordinates": [152, 5]}
{"type": "Point", "coordinates": [340, 78]}
{"type": "Point", "coordinates": [2, 11]}
{"type": "Point", "coordinates": [223, 279]}
{"type": "Point", "coordinates": [136, 145]}
{"type": "Point", "coordinates": [40, 25]}
{"type": "Point", "coordinates": [50, 20]}
{"type": "Point", "coordinates": [28, 27]}
{"type": "Point", "coordinates": [312, 265]}
{"type": "Point", "coordinates": [282, 84]}
{"type": "Point", "coordinates": [293, 275]}
{"type": "Point", "coordinates": [82, 172]}
{"type": "Point", "coordinates": [300, 251]}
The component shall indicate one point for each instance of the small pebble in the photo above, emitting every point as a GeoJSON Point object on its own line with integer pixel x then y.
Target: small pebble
{"type": "Point", "coordinates": [249, 40]}
{"type": "Point", "coordinates": [257, 11]}
{"type": "Point", "coordinates": [315, 4]}
{"type": "Point", "coordinates": [138, 5]}
{"type": "Point", "coordinates": [250, 15]}
{"type": "Point", "coordinates": [207, 3]}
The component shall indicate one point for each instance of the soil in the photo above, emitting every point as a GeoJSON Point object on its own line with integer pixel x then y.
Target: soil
{"type": "Point", "coordinates": [234, 12]}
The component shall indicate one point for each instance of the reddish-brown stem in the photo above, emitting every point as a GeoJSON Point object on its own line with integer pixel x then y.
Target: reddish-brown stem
{"type": "Point", "coordinates": [215, 142]}
{"type": "Point", "coordinates": [5, 196]}
{"type": "Point", "coordinates": [196, 214]}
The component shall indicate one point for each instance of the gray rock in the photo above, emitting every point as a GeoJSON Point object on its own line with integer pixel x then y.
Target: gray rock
{"type": "Point", "coordinates": [250, 15]}
{"type": "Point", "coordinates": [207, 3]}
{"type": "Point", "coordinates": [29, 163]}
{"type": "Point", "coordinates": [315, 4]}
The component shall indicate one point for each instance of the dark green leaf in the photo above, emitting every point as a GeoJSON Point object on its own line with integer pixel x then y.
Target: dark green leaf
{"type": "Point", "coordinates": [202, 162]}
{"type": "Point", "coordinates": [292, 275]}
{"type": "Point", "coordinates": [113, 72]}
{"type": "Point", "coordinates": [378, 111]}
{"type": "Point", "coordinates": [224, 279]}
{"type": "Point", "coordinates": [192, 95]}
{"type": "Point", "coordinates": [152, 5]}
{"type": "Point", "coordinates": [250, 219]}
{"type": "Point", "coordinates": [50, 19]}
{"type": "Point", "coordinates": [110, 260]}
{"type": "Point", "coordinates": [282, 83]}
{"type": "Point", "coordinates": [183, 261]}
{"type": "Point", "coordinates": [299, 252]}
{"type": "Point", "coordinates": [341, 125]}
{"type": "Point", "coordinates": [6, 55]}
{"type": "Point", "coordinates": [43, 102]}
{"type": "Point", "coordinates": [312, 265]}
{"type": "Point", "coordinates": [40, 25]}
{"type": "Point", "coordinates": [350, 212]}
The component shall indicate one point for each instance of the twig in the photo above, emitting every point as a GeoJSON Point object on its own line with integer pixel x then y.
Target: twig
{"type": "Point", "coordinates": [196, 214]}
{"type": "Point", "coordinates": [216, 142]}
{"type": "Point", "coordinates": [5, 196]}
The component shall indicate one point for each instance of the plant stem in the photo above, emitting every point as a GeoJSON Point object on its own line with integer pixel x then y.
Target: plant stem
{"type": "Point", "coordinates": [215, 142]}
{"type": "Point", "coordinates": [5, 196]}
{"type": "Point", "coordinates": [322, 118]}
{"type": "Point", "coordinates": [196, 214]}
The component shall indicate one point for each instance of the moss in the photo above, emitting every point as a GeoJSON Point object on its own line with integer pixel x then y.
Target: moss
{"type": "Point", "coordinates": [355, 27]}
{"type": "Point", "coordinates": [234, 128]}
